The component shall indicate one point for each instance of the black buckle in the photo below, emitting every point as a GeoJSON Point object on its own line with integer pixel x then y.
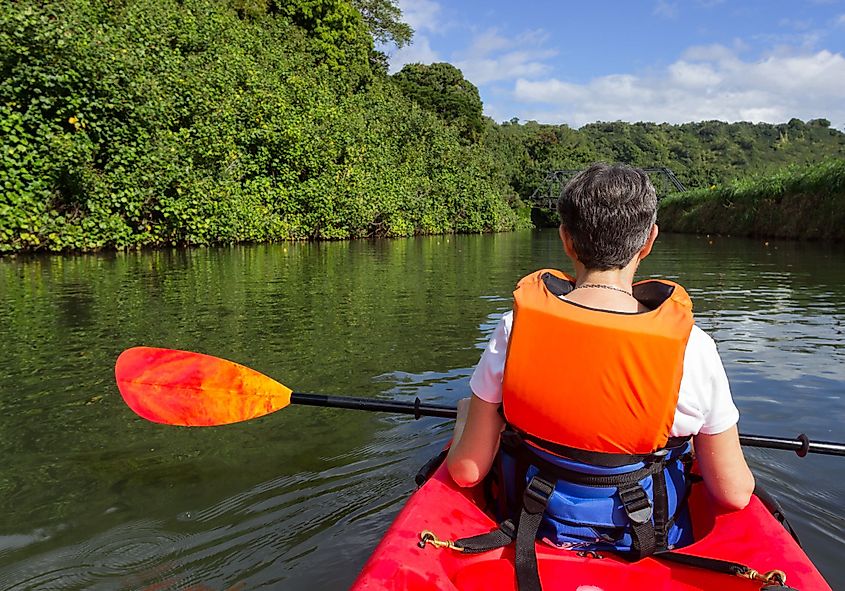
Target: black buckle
{"type": "Point", "coordinates": [659, 456]}
{"type": "Point", "coordinates": [537, 494]}
{"type": "Point", "coordinates": [508, 528]}
{"type": "Point", "coordinates": [636, 503]}
{"type": "Point", "coordinates": [510, 440]}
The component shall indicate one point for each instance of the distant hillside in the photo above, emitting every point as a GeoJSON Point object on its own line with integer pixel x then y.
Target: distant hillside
{"type": "Point", "coordinates": [700, 154]}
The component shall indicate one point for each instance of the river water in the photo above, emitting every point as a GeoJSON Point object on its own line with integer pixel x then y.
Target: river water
{"type": "Point", "coordinates": [92, 497]}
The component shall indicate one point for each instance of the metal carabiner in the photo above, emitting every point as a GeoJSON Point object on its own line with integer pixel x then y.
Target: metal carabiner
{"type": "Point", "coordinates": [773, 577]}
{"type": "Point", "coordinates": [427, 537]}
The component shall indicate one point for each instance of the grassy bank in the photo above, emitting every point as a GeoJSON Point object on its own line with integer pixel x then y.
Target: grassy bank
{"type": "Point", "coordinates": [806, 203]}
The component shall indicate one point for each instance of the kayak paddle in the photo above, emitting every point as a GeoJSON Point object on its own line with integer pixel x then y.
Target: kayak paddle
{"type": "Point", "coordinates": [195, 390]}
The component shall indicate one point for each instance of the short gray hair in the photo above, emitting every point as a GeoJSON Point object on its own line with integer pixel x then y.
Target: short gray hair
{"type": "Point", "coordinates": [608, 210]}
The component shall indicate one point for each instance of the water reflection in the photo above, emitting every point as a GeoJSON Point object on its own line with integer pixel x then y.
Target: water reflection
{"type": "Point", "coordinates": [94, 498]}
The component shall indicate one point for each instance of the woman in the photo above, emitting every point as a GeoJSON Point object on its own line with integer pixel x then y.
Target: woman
{"type": "Point", "coordinates": [591, 369]}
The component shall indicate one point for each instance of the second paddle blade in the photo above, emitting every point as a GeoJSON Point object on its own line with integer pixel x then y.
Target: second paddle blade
{"type": "Point", "coordinates": [194, 390]}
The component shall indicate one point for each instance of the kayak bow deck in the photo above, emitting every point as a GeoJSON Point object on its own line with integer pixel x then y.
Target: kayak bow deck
{"type": "Point", "coordinates": [751, 536]}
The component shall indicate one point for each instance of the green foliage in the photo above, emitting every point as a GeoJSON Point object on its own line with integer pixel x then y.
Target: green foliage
{"type": "Point", "coordinates": [821, 122]}
{"type": "Point", "coordinates": [806, 202]}
{"type": "Point", "coordinates": [442, 89]}
{"type": "Point", "coordinates": [154, 122]}
{"type": "Point", "coordinates": [335, 27]}
{"type": "Point", "coordinates": [202, 121]}
{"type": "Point", "coordinates": [383, 19]}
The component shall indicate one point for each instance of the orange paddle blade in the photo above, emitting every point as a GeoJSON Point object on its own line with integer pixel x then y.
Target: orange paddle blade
{"type": "Point", "coordinates": [194, 390]}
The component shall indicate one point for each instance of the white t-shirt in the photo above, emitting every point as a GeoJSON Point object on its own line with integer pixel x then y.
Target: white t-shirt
{"type": "Point", "coordinates": [704, 401]}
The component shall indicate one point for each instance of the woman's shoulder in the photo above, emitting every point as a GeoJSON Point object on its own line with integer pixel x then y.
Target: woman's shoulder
{"type": "Point", "coordinates": [700, 342]}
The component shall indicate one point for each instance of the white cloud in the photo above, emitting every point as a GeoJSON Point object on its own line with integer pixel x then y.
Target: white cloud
{"type": "Point", "coordinates": [840, 22]}
{"type": "Point", "coordinates": [426, 19]}
{"type": "Point", "coordinates": [692, 75]}
{"type": "Point", "coordinates": [665, 9]}
{"type": "Point", "coordinates": [422, 15]}
{"type": "Point", "coordinates": [492, 57]}
{"type": "Point", "coordinates": [418, 52]}
{"type": "Point", "coordinates": [711, 82]}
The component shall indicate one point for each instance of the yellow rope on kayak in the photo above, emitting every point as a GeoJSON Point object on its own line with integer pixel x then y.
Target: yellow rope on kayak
{"type": "Point", "coordinates": [427, 537]}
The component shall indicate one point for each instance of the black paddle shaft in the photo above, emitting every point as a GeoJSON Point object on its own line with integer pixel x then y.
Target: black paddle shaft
{"type": "Point", "coordinates": [415, 408]}
{"type": "Point", "coordinates": [800, 445]}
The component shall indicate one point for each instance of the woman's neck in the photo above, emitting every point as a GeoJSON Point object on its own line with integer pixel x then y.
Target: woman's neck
{"type": "Point", "coordinates": [619, 278]}
{"type": "Point", "coordinates": [605, 290]}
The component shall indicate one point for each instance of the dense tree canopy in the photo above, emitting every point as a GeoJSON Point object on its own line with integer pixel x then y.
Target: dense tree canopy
{"type": "Point", "coordinates": [442, 89]}
{"type": "Point", "coordinates": [701, 154]}
{"type": "Point", "coordinates": [201, 121]}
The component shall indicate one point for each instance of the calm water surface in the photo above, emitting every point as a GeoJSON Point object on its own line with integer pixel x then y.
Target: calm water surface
{"type": "Point", "coordinates": [92, 497]}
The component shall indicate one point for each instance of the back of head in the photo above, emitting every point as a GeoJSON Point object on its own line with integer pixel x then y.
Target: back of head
{"type": "Point", "coordinates": [608, 210]}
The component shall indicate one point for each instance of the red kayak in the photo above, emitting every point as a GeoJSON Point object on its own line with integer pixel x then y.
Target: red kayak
{"type": "Point", "coordinates": [751, 537]}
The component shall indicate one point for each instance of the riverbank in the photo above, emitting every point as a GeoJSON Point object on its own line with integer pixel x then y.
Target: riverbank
{"type": "Point", "coordinates": [803, 203]}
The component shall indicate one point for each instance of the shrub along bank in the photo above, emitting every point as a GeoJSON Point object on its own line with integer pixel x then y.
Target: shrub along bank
{"type": "Point", "coordinates": [154, 122]}
{"type": "Point", "coordinates": [799, 202]}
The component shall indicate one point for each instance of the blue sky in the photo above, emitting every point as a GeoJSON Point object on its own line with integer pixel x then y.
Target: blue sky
{"type": "Point", "coordinates": [650, 60]}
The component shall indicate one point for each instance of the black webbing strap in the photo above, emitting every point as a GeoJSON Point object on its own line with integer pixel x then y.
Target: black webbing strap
{"type": "Point", "coordinates": [647, 537]}
{"type": "Point", "coordinates": [775, 580]}
{"type": "Point", "coordinates": [534, 503]}
{"type": "Point", "coordinates": [525, 457]}
{"type": "Point", "coordinates": [720, 566]}
{"type": "Point", "coordinates": [661, 509]}
{"type": "Point", "coordinates": [639, 511]}
{"type": "Point", "coordinates": [498, 538]}
{"type": "Point", "coordinates": [604, 459]}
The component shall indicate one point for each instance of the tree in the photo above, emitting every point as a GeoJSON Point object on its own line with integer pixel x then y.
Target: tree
{"type": "Point", "coordinates": [442, 88]}
{"type": "Point", "coordinates": [337, 29]}
{"type": "Point", "coordinates": [383, 19]}
{"type": "Point", "coordinates": [821, 122]}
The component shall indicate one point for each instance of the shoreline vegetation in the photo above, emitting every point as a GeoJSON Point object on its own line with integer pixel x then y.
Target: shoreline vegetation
{"type": "Point", "coordinates": [194, 122]}
{"type": "Point", "coordinates": [798, 203]}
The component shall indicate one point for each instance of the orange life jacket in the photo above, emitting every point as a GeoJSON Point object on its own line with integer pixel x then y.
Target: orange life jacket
{"type": "Point", "coordinates": [591, 379]}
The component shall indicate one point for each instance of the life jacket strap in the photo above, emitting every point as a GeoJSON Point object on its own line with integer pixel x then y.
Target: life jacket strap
{"type": "Point", "coordinates": [647, 537]}
{"type": "Point", "coordinates": [661, 510]}
{"type": "Point", "coordinates": [535, 499]}
{"type": "Point", "coordinates": [639, 511]}
{"type": "Point", "coordinates": [534, 502]}
{"type": "Point", "coordinates": [513, 442]}
{"type": "Point", "coordinates": [603, 459]}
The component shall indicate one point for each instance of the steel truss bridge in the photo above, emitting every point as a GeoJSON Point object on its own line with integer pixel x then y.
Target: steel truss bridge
{"type": "Point", "coordinates": [548, 192]}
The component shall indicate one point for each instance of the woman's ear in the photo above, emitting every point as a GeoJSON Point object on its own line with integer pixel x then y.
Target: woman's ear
{"type": "Point", "coordinates": [649, 243]}
{"type": "Point", "coordinates": [568, 244]}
